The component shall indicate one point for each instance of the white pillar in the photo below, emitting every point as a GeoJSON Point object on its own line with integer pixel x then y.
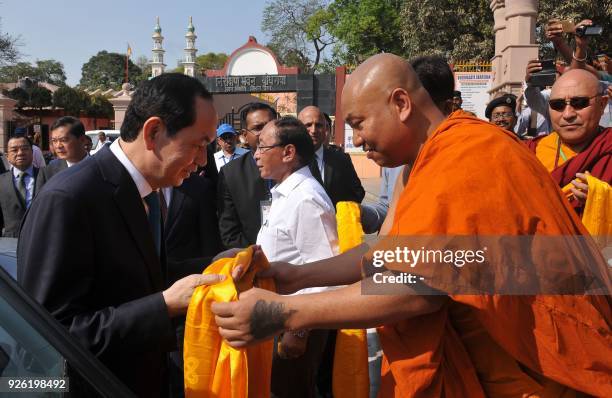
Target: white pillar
{"type": "Point", "coordinates": [516, 40]}
{"type": "Point", "coordinates": [121, 103]}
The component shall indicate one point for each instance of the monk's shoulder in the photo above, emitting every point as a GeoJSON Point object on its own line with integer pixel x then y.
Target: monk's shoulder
{"type": "Point", "coordinates": [477, 144]}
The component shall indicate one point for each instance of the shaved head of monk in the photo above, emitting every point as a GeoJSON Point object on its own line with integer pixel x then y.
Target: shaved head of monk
{"type": "Point", "coordinates": [576, 106]}
{"type": "Point", "coordinates": [389, 110]}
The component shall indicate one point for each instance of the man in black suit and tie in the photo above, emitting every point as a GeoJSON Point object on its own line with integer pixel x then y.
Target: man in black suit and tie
{"type": "Point", "coordinates": [241, 190]}
{"type": "Point", "coordinates": [114, 298]}
{"type": "Point", "coordinates": [332, 167]}
{"type": "Point", "coordinates": [17, 187]}
{"type": "Point", "coordinates": [69, 143]}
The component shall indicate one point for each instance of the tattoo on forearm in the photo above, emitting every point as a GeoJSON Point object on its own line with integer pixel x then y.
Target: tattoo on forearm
{"type": "Point", "coordinates": [268, 318]}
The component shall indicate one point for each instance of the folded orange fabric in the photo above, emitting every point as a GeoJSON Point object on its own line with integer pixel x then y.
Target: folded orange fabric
{"type": "Point", "coordinates": [212, 367]}
{"type": "Point", "coordinates": [350, 376]}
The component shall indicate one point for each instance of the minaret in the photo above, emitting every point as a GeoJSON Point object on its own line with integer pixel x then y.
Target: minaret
{"type": "Point", "coordinates": [157, 64]}
{"type": "Point", "coordinates": [190, 50]}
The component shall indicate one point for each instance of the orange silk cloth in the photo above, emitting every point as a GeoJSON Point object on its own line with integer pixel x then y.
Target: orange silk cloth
{"type": "Point", "coordinates": [547, 149]}
{"type": "Point", "coordinates": [350, 374]}
{"type": "Point", "coordinates": [473, 178]}
{"type": "Point", "coordinates": [212, 367]}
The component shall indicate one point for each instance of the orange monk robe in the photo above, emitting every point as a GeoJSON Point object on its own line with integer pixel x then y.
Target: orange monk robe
{"type": "Point", "coordinates": [473, 178]}
{"type": "Point", "coordinates": [551, 152]}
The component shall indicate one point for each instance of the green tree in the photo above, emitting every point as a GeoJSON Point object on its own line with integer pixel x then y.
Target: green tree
{"type": "Point", "coordinates": [299, 31]}
{"type": "Point", "coordinates": [73, 101]}
{"type": "Point", "coordinates": [20, 95]}
{"type": "Point", "coordinates": [211, 61]}
{"type": "Point", "coordinates": [456, 29]}
{"type": "Point", "coordinates": [9, 53]}
{"type": "Point", "coordinates": [600, 12]}
{"type": "Point", "coordinates": [365, 28]}
{"type": "Point", "coordinates": [99, 107]}
{"type": "Point", "coordinates": [12, 73]}
{"type": "Point", "coordinates": [40, 98]}
{"type": "Point", "coordinates": [45, 70]}
{"type": "Point", "coordinates": [143, 63]}
{"type": "Point", "coordinates": [32, 96]}
{"type": "Point", "coordinates": [107, 70]}
{"type": "Point", "coordinates": [50, 71]}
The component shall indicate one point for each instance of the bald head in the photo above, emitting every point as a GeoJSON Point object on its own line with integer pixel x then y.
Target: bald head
{"type": "Point", "coordinates": [383, 73]}
{"type": "Point", "coordinates": [390, 111]}
{"type": "Point", "coordinates": [314, 120]}
{"type": "Point", "coordinates": [576, 106]}
{"type": "Point", "coordinates": [576, 78]}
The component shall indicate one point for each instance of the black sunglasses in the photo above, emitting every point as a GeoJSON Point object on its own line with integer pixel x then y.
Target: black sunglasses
{"type": "Point", "coordinates": [575, 102]}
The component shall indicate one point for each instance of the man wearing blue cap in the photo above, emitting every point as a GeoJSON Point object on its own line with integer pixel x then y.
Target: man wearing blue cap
{"type": "Point", "coordinates": [226, 138]}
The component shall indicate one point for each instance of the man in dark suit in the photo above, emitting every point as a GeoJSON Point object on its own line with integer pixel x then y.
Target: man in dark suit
{"type": "Point", "coordinates": [69, 143]}
{"type": "Point", "coordinates": [95, 257]}
{"type": "Point", "coordinates": [332, 167]}
{"type": "Point", "coordinates": [191, 226]}
{"type": "Point", "coordinates": [241, 190]}
{"type": "Point", "coordinates": [17, 187]}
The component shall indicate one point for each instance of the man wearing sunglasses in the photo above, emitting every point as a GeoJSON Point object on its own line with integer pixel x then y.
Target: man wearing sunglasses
{"type": "Point", "coordinates": [577, 145]}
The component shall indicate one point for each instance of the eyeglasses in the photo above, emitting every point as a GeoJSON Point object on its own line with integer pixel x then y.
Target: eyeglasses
{"type": "Point", "coordinates": [577, 103]}
{"type": "Point", "coordinates": [266, 148]}
{"type": "Point", "coordinates": [502, 115]}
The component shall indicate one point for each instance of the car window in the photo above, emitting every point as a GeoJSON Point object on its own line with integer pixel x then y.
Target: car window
{"type": "Point", "coordinates": [34, 345]}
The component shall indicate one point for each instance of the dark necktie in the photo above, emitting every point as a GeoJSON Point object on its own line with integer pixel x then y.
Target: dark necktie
{"type": "Point", "coordinates": [314, 169]}
{"type": "Point", "coordinates": [163, 206]}
{"type": "Point", "coordinates": [154, 217]}
{"type": "Point", "coordinates": [21, 187]}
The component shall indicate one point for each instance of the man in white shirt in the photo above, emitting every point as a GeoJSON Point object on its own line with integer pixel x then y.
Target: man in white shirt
{"type": "Point", "coordinates": [227, 139]}
{"type": "Point", "coordinates": [299, 227]}
{"type": "Point", "coordinates": [102, 140]}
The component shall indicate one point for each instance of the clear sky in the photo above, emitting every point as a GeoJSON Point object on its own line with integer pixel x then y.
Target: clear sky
{"type": "Point", "coordinates": [71, 31]}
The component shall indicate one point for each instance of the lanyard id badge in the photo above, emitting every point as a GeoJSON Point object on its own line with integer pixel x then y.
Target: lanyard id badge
{"type": "Point", "coordinates": [264, 207]}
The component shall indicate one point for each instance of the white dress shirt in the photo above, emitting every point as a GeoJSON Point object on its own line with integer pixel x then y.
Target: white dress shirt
{"type": "Point", "coordinates": [28, 180]}
{"type": "Point", "coordinates": [301, 225]}
{"type": "Point", "coordinates": [222, 159]}
{"type": "Point", "coordinates": [320, 164]}
{"type": "Point", "coordinates": [143, 186]}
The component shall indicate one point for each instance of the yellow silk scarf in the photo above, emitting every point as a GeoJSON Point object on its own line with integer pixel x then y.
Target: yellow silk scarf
{"type": "Point", "coordinates": [597, 216]}
{"type": "Point", "coordinates": [212, 367]}
{"type": "Point", "coordinates": [350, 375]}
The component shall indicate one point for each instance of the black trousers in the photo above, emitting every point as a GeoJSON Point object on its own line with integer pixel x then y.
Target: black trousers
{"type": "Point", "coordinates": [297, 378]}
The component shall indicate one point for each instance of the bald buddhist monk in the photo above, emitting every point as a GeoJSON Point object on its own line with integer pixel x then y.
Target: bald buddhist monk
{"type": "Point", "coordinates": [577, 144]}
{"type": "Point", "coordinates": [446, 345]}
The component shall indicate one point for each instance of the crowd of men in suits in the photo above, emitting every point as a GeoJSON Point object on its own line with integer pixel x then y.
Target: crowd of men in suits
{"type": "Point", "coordinates": [114, 244]}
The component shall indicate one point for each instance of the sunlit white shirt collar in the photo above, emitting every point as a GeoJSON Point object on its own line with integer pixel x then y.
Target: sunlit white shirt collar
{"type": "Point", "coordinates": [141, 183]}
{"type": "Point", "coordinates": [291, 182]}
